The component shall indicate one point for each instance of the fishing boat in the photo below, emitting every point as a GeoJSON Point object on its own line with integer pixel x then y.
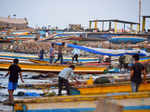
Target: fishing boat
{"type": "Point", "coordinates": [111, 88]}
{"type": "Point", "coordinates": [53, 68]}
{"type": "Point", "coordinates": [20, 37]}
{"type": "Point", "coordinates": [127, 39]}
{"type": "Point", "coordinates": [35, 58]}
{"type": "Point", "coordinates": [84, 103]}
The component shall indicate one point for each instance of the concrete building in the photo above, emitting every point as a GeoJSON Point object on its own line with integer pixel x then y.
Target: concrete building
{"type": "Point", "coordinates": [13, 23]}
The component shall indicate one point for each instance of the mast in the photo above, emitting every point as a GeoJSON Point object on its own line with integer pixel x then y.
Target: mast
{"type": "Point", "coordinates": [140, 4]}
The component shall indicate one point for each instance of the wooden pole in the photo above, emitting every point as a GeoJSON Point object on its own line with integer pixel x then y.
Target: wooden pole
{"type": "Point", "coordinates": [140, 7]}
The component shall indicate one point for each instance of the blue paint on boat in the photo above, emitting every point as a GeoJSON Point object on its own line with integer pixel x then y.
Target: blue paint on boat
{"type": "Point", "coordinates": [34, 94]}
{"type": "Point", "coordinates": [123, 39]}
{"type": "Point", "coordinates": [43, 32]}
{"type": "Point", "coordinates": [65, 110]}
{"type": "Point", "coordinates": [103, 36]}
{"type": "Point", "coordinates": [108, 52]}
{"type": "Point", "coordinates": [142, 107]}
{"type": "Point", "coordinates": [47, 59]}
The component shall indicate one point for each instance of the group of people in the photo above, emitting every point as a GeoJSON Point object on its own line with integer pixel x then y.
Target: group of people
{"type": "Point", "coordinates": [14, 71]}
{"type": "Point", "coordinates": [59, 52]}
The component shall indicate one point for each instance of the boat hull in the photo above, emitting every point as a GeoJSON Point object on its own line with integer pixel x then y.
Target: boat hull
{"type": "Point", "coordinates": [112, 88]}
{"type": "Point", "coordinates": [53, 68]}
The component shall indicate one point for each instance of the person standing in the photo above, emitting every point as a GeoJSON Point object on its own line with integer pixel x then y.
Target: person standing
{"type": "Point", "coordinates": [52, 53]}
{"type": "Point", "coordinates": [41, 54]}
{"type": "Point", "coordinates": [76, 53]}
{"type": "Point", "coordinates": [121, 62]}
{"type": "Point", "coordinates": [128, 59]}
{"type": "Point", "coordinates": [63, 79]}
{"type": "Point", "coordinates": [135, 74]}
{"type": "Point", "coordinates": [14, 71]}
{"type": "Point", "coordinates": [60, 53]}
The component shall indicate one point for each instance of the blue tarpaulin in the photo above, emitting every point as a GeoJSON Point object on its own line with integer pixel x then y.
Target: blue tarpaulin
{"type": "Point", "coordinates": [108, 52]}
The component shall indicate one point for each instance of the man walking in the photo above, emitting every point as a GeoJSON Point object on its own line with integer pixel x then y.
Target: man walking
{"type": "Point", "coordinates": [63, 79]}
{"type": "Point", "coordinates": [60, 53]}
{"type": "Point", "coordinates": [52, 53]}
{"type": "Point", "coordinates": [41, 54]}
{"type": "Point", "coordinates": [76, 53]}
{"type": "Point", "coordinates": [13, 71]}
{"type": "Point", "coordinates": [121, 62]}
{"type": "Point", "coordinates": [136, 71]}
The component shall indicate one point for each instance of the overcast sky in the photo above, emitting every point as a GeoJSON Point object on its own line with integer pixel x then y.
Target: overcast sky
{"type": "Point", "coordinates": [63, 12]}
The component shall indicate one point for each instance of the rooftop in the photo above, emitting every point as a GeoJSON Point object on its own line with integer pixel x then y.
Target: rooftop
{"type": "Point", "coordinates": [114, 20]}
{"type": "Point", "coordinates": [13, 20]}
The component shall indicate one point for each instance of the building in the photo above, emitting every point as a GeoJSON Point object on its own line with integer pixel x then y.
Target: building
{"type": "Point", "coordinates": [75, 27]}
{"type": "Point", "coordinates": [13, 23]}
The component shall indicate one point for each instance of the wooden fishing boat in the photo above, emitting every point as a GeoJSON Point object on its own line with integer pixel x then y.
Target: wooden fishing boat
{"type": "Point", "coordinates": [127, 39]}
{"type": "Point", "coordinates": [88, 103]}
{"type": "Point", "coordinates": [94, 89]}
{"type": "Point", "coordinates": [111, 88]}
{"type": "Point", "coordinates": [35, 57]}
{"type": "Point", "coordinates": [53, 68]}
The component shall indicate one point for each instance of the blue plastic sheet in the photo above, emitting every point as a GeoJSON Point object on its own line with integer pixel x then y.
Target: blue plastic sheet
{"type": "Point", "coordinates": [31, 94]}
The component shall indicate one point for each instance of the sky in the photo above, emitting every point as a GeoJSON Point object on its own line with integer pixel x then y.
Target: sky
{"type": "Point", "coordinates": [61, 13]}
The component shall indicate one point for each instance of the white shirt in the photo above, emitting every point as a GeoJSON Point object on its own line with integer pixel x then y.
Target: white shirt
{"type": "Point", "coordinates": [66, 73]}
{"type": "Point", "coordinates": [76, 51]}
